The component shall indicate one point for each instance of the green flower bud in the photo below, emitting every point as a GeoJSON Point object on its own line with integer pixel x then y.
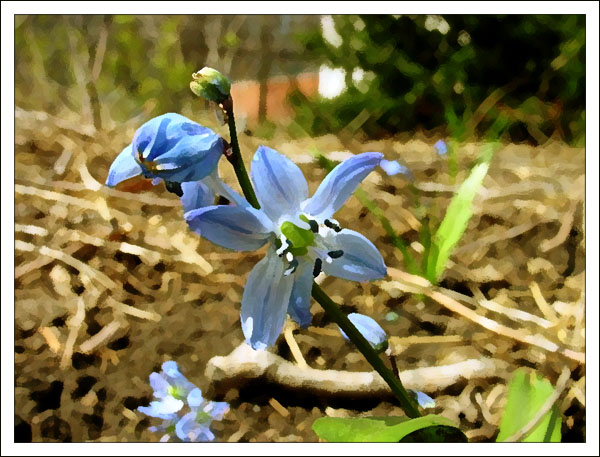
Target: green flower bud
{"type": "Point", "coordinates": [208, 83]}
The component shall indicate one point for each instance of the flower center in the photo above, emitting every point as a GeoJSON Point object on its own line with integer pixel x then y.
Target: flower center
{"type": "Point", "coordinates": [296, 241]}
{"type": "Point", "coordinates": [176, 392]}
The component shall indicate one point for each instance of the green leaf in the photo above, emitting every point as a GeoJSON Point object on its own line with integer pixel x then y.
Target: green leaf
{"type": "Point", "coordinates": [527, 393]}
{"type": "Point", "coordinates": [455, 222]}
{"type": "Point", "coordinates": [429, 428]}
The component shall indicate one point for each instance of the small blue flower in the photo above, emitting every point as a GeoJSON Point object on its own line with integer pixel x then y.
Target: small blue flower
{"type": "Point", "coordinates": [393, 167]}
{"type": "Point", "coordinates": [441, 148]}
{"type": "Point", "coordinates": [370, 329]}
{"type": "Point", "coordinates": [174, 392]}
{"type": "Point", "coordinates": [302, 236]}
{"type": "Point", "coordinates": [170, 147]}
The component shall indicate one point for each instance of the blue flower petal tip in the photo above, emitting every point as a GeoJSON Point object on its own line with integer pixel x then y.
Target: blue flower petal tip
{"type": "Point", "coordinates": [424, 400]}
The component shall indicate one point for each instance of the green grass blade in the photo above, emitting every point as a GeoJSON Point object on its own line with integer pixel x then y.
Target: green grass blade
{"type": "Point", "coordinates": [455, 222]}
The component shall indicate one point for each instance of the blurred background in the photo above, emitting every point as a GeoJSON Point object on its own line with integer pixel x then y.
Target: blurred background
{"type": "Point", "coordinates": [110, 283]}
{"type": "Point", "coordinates": [312, 75]}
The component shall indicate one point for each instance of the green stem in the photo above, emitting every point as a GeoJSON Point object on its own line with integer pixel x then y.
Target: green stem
{"type": "Point", "coordinates": [319, 294]}
{"type": "Point", "coordinates": [365, 348]}
{"type": "Point", "coordinates": [236, 156]}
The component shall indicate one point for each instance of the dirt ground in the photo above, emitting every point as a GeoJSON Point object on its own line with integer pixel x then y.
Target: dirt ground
{"type": "Point", "coordinates": [110, 283]}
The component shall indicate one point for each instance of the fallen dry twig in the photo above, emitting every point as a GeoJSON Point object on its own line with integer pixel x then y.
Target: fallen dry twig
{"type": "Point", "coordinates": [244, 364]}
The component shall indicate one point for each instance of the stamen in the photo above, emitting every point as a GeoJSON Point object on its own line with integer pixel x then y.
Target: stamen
{"type": "Point", "coordinates": [332, 225]}
{"type": "Point", "coordinates": [335, 254]}
{"type": "Point", "coordinates": [314, 226]}
{"type": "Point", "coordinates": [317, 268]}
{"type": "Point", "coordinates": [291, 268]}
{"type": "Point", "coordinates": [284, 245]}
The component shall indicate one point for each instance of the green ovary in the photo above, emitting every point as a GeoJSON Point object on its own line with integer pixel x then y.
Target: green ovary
{"type": "Point", "coordinates": [298, 237]}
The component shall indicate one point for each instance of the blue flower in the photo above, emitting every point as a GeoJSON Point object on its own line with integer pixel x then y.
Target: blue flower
{"type": "Point", "coordinates": [195, 425]}
{"type": "Point", "coordinates": [302, 237]}
{"type": "Point", "coordinates": [370, 329]}
{"type": "Point", "coordinates": [393, 167]}
{"type": "Point", "coordinates": [174, 392]}
{"type": "Point", "coordinates": [441, 148]}
{"type": "Point", "coordinates": [170, 147]}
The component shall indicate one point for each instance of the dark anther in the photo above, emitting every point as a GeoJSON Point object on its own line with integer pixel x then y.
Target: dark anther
{"type": "Point", "coordinates": [332, 225]}
{"type": "Point", "coordinates": [317, 268]}
{"type": "Point", "coordinates": [174, 187]}
{"type": "Point", "coordinates": [335, 254]}
{"type": "Point", "coordinates": [291, 268]}
{"type": "Point", "coordinates": [313, 226]}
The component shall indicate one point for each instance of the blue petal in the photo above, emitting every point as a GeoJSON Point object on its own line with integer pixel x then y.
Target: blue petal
{"type": "Point", "coordinates": [369, 328]}
{"type": "Point", "coordinates": [265, 301]}
{"type": "Point", "coordinates": [233, 227]}
{"type": "Point", "coordinates": [189, 431]}
{"type": "Point", "coordinates": [299, 307]}
{"type": "Point", "coordinates": [159, 384]}
{"type": "Point", "coordinates": [163, 409]}
{"type": "Point", "coordinates": [393, 167]}
{"type": "Point", "coordinates": [123, 167]}
{"type": "Point", "coordinates": [361, 261]}
{"type": "Point", "coordinates": [280, 185]}
{"type": "Point", "coordinates": [196, 195]}
{"type": "Point", "coordinates": [176, 149]}
{"type": "Point", "coordinates": [171, 369]}
{"type": "Point", "coordinates": [195, 398]}
{"type": "Point", "coordinates": [216, 409]}
{"type": "Point", "coordinates": [340, 184]}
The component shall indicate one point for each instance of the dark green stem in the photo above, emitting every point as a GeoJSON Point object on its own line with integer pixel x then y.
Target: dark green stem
{"type": "Point", "coordinates": [365, 348]}
{"type": "Point", "coordinates": [235, 158]}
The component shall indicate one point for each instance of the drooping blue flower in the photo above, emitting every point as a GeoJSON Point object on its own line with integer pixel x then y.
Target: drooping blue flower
{"type": "Point", "coordinates": [441, 148]}
{"type": "Point", "coordinates": [370, 329]}
{"type": "Point", "coordinates": [179, 151]}
{"type": "Point", "coordinates": [176, 396]}
{"type": "Point", "coordinates": [170, 147]}
{"type": "Point", "coordinates": [302, 237]}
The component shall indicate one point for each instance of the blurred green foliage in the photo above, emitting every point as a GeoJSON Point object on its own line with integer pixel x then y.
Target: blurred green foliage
{"type": "Point", "coordinates": [114, 67]}
{"type": "Point", "coordinates": [458, 71]}
{"type": "Point", "coordinates": [59, 56]}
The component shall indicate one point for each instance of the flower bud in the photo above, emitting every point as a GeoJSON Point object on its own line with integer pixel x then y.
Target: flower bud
{"type": "Point", "coordinates": [208, 83]}
{"type": "Point", "coordinates": [370, 329]}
